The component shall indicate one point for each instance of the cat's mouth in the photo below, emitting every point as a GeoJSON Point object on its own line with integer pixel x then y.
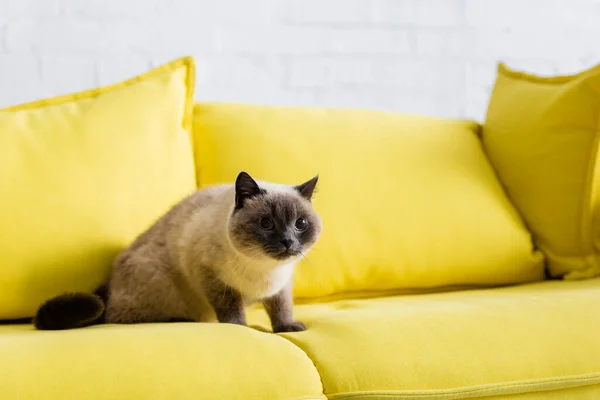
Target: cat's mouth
{"type": "Point", "coordinates": [291, 252]}
{"type": "Point", "coordinates": [284, 253]}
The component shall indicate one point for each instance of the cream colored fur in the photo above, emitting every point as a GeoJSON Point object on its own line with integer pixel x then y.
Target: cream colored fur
{"type": "Point", "coordinates": [162, 275]}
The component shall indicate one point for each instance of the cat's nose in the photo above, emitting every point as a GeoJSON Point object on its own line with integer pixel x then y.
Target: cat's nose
{"type": "Point", "coordinates": [287, 243]}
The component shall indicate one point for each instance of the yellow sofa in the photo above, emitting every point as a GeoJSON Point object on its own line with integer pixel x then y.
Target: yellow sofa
{"type": "Point", "coordinates": [536, 341]}
{"type": "Point", "coordinates": [426, 283]}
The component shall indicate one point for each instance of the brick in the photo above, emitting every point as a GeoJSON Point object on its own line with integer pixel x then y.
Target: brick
{"type": "Point", "coordinates": [479, 82]}
{"type": "Point", "coordinates": [256, 79]}
{"type": "Point", "coordinates": [533, 15]}
{"type": "Point", "coordinates": [427, 55]}
{"type": "Point", "coordinates": [401, 75]}
{"type": "Point", "coordinates": [391, 99]}
{"type": "Point", "coordinates": [475, 106]}
{"type": "Point", "coordinates": [442, 43]}
{"type": "Point", "coordinates": [65, 74]}
{"type": "Point", "coordinates": [80, 37]}
{"type": "Point", "coordinates": [426, 13]}
{"type": "Point", "coordinates": [314, 40]}
{"type": "Point", "coordinates": [115, 69]}
{"type": "Point", "coordinates": [108, 9]}
{"type": "Point", "coordinates": [571, 66]}
{"type": "Point", "coordinates": [581, 14]}
{"type": "Point", "coordinates": [177, 39]}
{"type": "Point", "coordinates": [3, 44]}
{"type": "Point", "coordinates": [20, 79]}
{"type": "Point", "coordinates": [426, 75]}
{"type": "Point", "coordinates": [254, 95]}
{"type": "Point", "coordinates": [11, 9]}
{"type": "Point", "coordinates": [18, 66]}
{"type": "Point", "coordinates": [252, 39]}
{"type": "Point", "coordinates": [324, 72]}
{"type": "Point", "coordinates": [546, 45]}
{"type": "Point", "coordinates": [549, 67]}
{"type": "Point", "coordinates": [405, 73]}
{"type": "Point", "coordinates": [256, 71]}
{"type": "Point", "coordinates": [61, 36]}
{"type": "Point", "coordinates": [480, 75]}
{"type": "Point", "coordinates": [371, 41]}
{"type": "Point", "coordinates": [329, 11]}
{"type": "Point", "coordinates": [309, 73]}
{"type": "Point", "coordinates": [224, 11]}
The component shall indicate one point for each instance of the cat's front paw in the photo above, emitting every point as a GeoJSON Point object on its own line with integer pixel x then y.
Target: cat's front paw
{"type": "Point", "coordinates": [291, 327]}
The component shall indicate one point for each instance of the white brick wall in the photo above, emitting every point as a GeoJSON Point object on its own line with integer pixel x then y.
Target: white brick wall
{"type": "Point", "coordinates": [427, 56]}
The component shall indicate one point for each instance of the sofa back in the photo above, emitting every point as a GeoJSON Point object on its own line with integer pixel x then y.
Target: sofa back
{"type": "Point", "coordinates": [409, 203]}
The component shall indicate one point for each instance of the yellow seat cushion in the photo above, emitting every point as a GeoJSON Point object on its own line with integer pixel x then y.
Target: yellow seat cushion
{"type": "Point", "coordinates": [153, 361]}
{"type": "Point", "coordinates": [83, 174]}
{"type": "Point", "coordinates": [541, 135]}
{"type": "Point", "coordinates": [408, 202]}
{"type": "Point", "coordinates": [518, 341]}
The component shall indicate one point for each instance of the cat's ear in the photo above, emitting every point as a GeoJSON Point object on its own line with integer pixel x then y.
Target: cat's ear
{"type": "Point", "coordinates": [245, 188]}
{"type": "Point", "coordinates": [307, 188]}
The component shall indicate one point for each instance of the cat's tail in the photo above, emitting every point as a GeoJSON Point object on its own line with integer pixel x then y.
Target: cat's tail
{"type": "Point", "coordinates": [71, 310]}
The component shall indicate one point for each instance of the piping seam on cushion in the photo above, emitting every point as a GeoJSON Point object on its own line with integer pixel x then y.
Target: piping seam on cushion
{"type": "Point", "coordinates": [495, 389]}
{"type": "Point", "coordinates": [372, 294]}
{"type": "Point", "coordinates": [187, 61]}
{"type": "Point", "coordinates": [322, 397]}
{"type": "Point", "coordinates": [503, 68]}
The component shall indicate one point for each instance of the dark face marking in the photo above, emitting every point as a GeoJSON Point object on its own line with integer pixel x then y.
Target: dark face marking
{"type": "Point", "coordinates": [245, 188]}
{"type": "Point", "coordinates": [279, 224]}
{"type": "Point", "coordinates": [284, 239]}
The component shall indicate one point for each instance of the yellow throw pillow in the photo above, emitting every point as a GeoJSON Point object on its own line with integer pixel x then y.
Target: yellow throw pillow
{"type": "Point", "coordinates": [407, 202]}
{"type": "Point", "coordinates": [82, 175]}
{"type": "Point", "coordinates": [541, 135]}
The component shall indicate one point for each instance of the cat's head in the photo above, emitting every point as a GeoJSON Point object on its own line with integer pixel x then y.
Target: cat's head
{"type": "Point", "coordinates": [273, 221]}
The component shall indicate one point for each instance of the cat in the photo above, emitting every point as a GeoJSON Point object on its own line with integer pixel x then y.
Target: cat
{"type": "Point", "coordinates": [219, 249]}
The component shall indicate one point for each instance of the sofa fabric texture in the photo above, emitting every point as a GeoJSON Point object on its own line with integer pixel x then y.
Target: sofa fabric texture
{"type": "Point", "coordinates": [542, 135]}
{"type": "Point", "coordinates": [532, 341]}
{"type": "Point", "coordinates": [408, 202]}
{"type": "Point", "coordinates": [427, 283]}
{"type": "Point", "coordinates": [82, 175]}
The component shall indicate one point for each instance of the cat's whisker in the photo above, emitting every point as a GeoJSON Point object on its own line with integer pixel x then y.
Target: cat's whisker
{"type": "Point", "coordinates": [305, 257]}
{"type": "Point", "coordinates": [318, 274]}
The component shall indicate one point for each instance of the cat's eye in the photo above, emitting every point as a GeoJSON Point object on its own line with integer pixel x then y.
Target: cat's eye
{"type": "Point", "coordinates": [301, 224]}
{"type": "Point", "coordinates": [266, 224]}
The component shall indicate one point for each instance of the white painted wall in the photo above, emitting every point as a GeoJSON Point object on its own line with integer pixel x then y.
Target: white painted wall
{"type": "Point", "coordinates": [427, 56]}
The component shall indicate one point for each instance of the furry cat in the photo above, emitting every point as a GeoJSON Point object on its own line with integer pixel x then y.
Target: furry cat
{"type": "Point", "coordinates": [217, 250]}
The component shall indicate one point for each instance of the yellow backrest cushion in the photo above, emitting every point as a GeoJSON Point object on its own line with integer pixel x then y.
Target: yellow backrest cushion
{"type": "Point", "coordinates": [407, 202]}
{"type": "Point", "coordinates": [82, 175]}
{"type": "Point", "coordinates": [541, 135]}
